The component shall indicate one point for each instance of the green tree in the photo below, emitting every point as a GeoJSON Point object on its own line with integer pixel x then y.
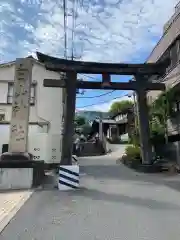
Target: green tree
{"type": "Point", "coordinates": [86, 129]}
{"type": "Point", "coordinates": [79, 120]}
{"type": "Point", "coordinates": [120, 106]}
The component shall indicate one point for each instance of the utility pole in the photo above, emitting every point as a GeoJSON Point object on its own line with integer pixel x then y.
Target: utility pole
{"type": "Point", "coordinates": [135, 110]}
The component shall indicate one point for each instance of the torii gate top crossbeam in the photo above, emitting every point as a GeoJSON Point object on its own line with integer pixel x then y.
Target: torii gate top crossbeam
{"type": "Point", "coordinates": [62, 65]}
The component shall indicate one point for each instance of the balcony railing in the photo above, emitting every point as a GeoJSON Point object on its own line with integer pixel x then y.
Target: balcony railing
{"type": "Point", "coordinates": [177, 7]}
{"type": "Point", "coordinates": [173, 18]}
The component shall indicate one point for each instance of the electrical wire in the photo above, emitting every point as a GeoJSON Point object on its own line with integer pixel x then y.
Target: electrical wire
{"type": "Point", "coordinates": [103, 101]}
{"type": "Point", "coordinates": [165, 78]}
{"type": "Point", "coordinates": [99, 95]}
{"type": "Point", "coordinates": [65, 28]}
{"type": "Point", "coordinates": [85, 75]}
{"type": "Point", "coordinates": [73, 28]}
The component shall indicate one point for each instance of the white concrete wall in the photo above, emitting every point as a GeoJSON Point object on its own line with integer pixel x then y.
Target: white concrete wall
{"type": "Point", "coordinates": [43, 146]}
{"type": "Point", "coordinates": [48, 106]}
{"type": "Point", "coordinates": [5, 132]}
{"type": "Point", "coordinates": [7, 110]}
{"type": "Point", "coordinates": [37, 146]}
{"type": "Point", "coordinates": [49, 100]}
{"type": "Point", "coordinates": [3, 92]}
{"type": "Point", "coordinates": [16, 178]}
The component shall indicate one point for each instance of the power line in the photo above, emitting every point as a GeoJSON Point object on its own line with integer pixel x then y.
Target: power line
{"type": "Point", "coordinates": [99, 95]}
{"type": "Point", "coordinates": [73, 27]}
{"type": "Point", "coordinates": [102, 102]}
{"type": "Point", "coordinates": [162, 80]}
{"type": "Point", "coordinates": [65, 27]}
{"type": "Point", "coordinates": [85, 75]}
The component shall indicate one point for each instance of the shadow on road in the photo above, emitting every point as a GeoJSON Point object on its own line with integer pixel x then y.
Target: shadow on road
{"type": "Point", "coordinates": [137, 201]}
{"type": "Point", "coordinates": [121, 172]}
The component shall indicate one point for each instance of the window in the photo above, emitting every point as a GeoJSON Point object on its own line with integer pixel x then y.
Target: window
{"type": "Point", "coordinates": [10, 94]}
{"type": "Point", "coordinates": [149, 99]}
{"type": "Point", "coordinates": [174, 54]}
{"type": "Point", "coordinates": [178, 49]}
{"type": "Point", "coordinates": [166, 56]}
{"type": "Point", "coordinates": [176, 106]}
{"type": "Point", "coordinates": [2, 117]}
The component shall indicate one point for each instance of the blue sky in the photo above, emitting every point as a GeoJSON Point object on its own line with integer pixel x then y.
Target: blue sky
{"type": "Point", "coordinates": [105, 31]}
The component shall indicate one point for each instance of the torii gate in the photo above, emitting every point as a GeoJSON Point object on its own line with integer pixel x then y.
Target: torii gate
{"type": "Point", "coordinates": [141, 72]}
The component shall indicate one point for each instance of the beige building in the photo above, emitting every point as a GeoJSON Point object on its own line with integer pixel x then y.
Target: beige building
{"type": "Point", "coordinates": [168, 47]}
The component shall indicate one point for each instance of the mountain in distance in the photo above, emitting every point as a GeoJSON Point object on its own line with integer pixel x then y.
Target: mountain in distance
{"type": "Point", "coordinates": [92, 115]}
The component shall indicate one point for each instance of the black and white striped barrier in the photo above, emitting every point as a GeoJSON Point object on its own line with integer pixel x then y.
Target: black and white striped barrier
{"type": "Point", "coordinates": [74, 159]}
{"type": "Point", "coordinates": [68, 177]}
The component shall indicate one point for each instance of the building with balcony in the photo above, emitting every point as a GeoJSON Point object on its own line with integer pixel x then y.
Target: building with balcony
{"type": "Point", "coordinates": [168, 47]}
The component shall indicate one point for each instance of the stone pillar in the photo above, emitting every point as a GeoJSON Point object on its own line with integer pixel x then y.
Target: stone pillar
{"type": "Point", "coordinates": [144, 131]}
{"type": "Point", "coordinates": [67, 142]}
{"type": "Point", "coordinates": [21, 106]}
{"type": "Point", "coordinates": [18, 141]}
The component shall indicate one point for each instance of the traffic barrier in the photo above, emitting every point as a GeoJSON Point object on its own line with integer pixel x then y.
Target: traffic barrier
{"type": "Point", "coordinates": [74, 159]}
{"type": "Point", "coordinates": [68, 177]}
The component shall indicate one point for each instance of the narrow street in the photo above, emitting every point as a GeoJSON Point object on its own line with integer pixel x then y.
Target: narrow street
{"type": "Point", "coordinates": [114, 203]}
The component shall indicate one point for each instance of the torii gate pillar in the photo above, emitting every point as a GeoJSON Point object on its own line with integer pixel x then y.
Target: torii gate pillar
{"type": "Point", "coordinates": [68, 131]}
{"type": "Point", "coordinates": [143, 123]}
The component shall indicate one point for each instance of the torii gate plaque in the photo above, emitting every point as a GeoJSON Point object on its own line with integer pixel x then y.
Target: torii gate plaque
{"type": "Point", "coordinates": [141, 85]}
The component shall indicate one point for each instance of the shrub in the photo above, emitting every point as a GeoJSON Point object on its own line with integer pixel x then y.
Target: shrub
{"type": "Point", "coordinates": [133, 152]}
{"type": "Point", "coordinates": [135, 140]}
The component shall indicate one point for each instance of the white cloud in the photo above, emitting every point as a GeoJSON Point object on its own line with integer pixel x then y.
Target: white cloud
{"type": "Point", "coordinates": [105, 30]}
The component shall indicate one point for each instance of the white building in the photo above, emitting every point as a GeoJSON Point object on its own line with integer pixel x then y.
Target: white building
{"type": "Point", "coordinates": [46, 110]}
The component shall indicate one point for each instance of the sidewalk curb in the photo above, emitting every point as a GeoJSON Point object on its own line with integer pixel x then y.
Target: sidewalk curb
{"type": "Point", "coordinates": [5, 221]}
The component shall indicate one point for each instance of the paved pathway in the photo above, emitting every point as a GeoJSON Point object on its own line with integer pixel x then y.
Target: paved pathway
{"type": "Point", "coordinates": [114, 203]}
{"type": "Point", "coordinates": [10, 203]}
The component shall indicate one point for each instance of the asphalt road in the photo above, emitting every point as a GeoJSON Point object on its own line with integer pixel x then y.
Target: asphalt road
{"type": "Point", "coordinates": [114, 203]}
